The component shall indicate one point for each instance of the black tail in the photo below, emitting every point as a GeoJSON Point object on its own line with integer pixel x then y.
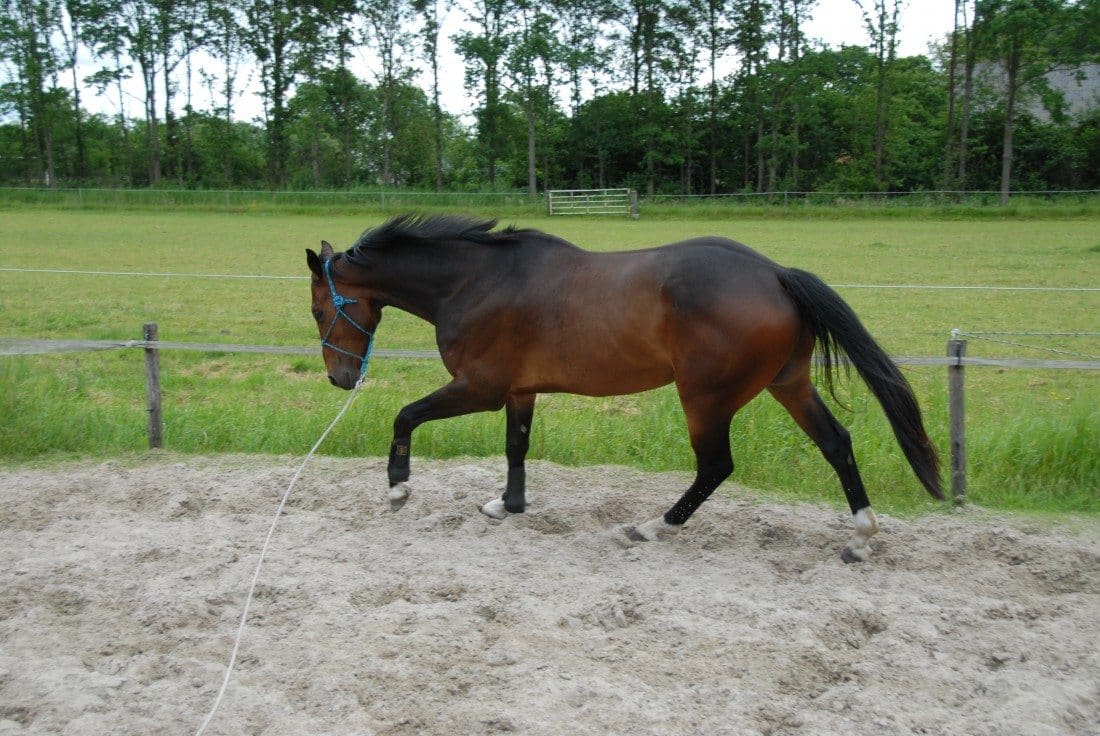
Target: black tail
{"type": "Point", "coordinates": [838, 331]}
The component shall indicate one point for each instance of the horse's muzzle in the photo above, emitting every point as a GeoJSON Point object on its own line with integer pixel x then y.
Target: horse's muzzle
{"type": "Point", "coordinates": [344, 379]}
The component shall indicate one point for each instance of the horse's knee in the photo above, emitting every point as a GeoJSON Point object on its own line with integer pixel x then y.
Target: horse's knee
{"type": "Point", "coordinates": [405, 422]}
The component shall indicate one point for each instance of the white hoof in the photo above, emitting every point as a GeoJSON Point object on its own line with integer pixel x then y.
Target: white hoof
{"type": "Point", "coordinates": [495, 509]}
{"type": "Point", "coordinates": [858, 549]}
{"type": "Point", "coordinates": [398, 495]}
{"type": "Point", "coordinates": [653, 530]}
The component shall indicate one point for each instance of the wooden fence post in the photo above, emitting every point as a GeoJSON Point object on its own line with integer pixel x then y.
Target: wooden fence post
{"type": "Point", "coordinates": [956, 348]}
{"type": "Point", "coordinates": [152, 386]}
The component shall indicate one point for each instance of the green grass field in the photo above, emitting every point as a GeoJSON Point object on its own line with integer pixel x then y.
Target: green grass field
{"type": "Point", "coordinates": [1032, 434]}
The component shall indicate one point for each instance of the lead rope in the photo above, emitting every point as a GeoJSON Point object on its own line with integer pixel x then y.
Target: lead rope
{"type": "Point", "coordinates": [263, 552]}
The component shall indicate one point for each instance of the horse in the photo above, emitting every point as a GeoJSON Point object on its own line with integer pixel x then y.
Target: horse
{"type": "Point", "coordinates": [519, 312]}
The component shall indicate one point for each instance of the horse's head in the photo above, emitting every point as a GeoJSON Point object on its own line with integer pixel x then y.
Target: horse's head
{"type": "Point", "coordinates": [346, 319]}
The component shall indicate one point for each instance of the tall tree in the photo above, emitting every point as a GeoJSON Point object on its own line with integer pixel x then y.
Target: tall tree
{"type": "Point", "coordinates": [1027, 39]}
{"type": "Point", "coordinates": [389, 37]}
{"type": "Point", "coordinates": [69, 28]}
{"type": "Point", "coordinates": [25, 30]}
{"type": "Point", "coordinates": [132, 27]}
{"type": "Point", "coordinates": [224, 39]}
{"type": "Point", "coordinates": [648, 40]}
{"type": "Point", "coordinates": [484, 50]}
{"type": "Point", "coordinates": [718, 37]}
{"type": "Point", "coordinates": [114, 77]}
{"type": "Point", "coordinates": [276, 33]}
{"type": "Point", "coordinates": [782, 98]}
{"type": "Point", "coordinates": [579, 32]}
{"type": "Point", "coordinates": [751, 39]}
{"type": "Point", "coordinates": [684, 20]}
{"type": "Point", "coordinates": [530, 68]}
{"type": "Point", "coordinates": [881, 22]}
{"type": "Point", "coordinates": [433, 12]}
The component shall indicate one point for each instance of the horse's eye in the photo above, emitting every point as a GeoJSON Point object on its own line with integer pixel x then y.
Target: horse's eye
{"type": "Point", "coordinates": [318, 314]}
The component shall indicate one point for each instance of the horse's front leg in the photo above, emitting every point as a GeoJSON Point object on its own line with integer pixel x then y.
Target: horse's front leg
{"type": "Point", "coordinates": [454, 399]}
{"type": "Point", "coordinates": [519, 410]}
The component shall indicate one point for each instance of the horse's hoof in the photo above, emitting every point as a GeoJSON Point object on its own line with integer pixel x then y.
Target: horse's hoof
{"type": "Point", "coordinates": [398, 495]}
{"type": "Point", "coordinates": [850, 555]}
{"type": "Point", "coordinates": [495, 509]}
{"type": "Point", "coordinates": [652, 530]}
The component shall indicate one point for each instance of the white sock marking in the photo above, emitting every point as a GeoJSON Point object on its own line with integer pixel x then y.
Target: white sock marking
{"type": "Point", "coordinates": [398, 492]}
{"type": "Point", "coordinates": [495, 509]}
{"type": "Point", "coordinates": [655, 529]}
{"type": "Point", "coordinates": [866, 527]}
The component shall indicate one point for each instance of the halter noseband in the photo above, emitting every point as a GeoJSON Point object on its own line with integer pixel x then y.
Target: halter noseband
{"type": "Point", "coordinates": [339, 301]}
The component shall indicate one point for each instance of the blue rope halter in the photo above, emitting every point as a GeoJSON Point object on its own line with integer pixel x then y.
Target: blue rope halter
{"type": "Point", "coordinates": [339, 301]}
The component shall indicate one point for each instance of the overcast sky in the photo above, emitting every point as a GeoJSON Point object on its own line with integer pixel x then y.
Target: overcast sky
{"type": "Point", "coordinates": [835, 22]}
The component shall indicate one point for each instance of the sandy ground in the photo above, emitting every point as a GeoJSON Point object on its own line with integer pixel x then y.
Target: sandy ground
{"type": "Point", "coordinates": [122, 585]}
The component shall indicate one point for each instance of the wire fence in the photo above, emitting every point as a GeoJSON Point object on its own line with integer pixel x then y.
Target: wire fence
{"type": "Point", "coordinates": [23, 346]}
{"type": "Point", "coordinates": [999, 339]}
{"type": "Point", "coordinates": [955, 360]}
{"type": "Point", "coordinates": [277, 277]}
{"type": "Point", "coordinates": [255, 198]}
{"type": "Point", "coordinates": [409, 198]}
{"type": "Point", "coordinates": [921, 198]}
{"type": "Point", "coordinates": [10, 346]}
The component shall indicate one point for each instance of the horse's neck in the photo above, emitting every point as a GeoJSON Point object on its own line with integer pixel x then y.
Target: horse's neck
{"type": "Point", "coordinates": [422, 284]}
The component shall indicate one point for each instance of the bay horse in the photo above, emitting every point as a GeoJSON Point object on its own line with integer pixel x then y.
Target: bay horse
{"type": "Point", "coordinates": [518, 312]}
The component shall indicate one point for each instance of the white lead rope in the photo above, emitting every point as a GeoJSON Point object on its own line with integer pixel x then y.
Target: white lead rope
{"type": "Point", "coordinates": [263, 551]}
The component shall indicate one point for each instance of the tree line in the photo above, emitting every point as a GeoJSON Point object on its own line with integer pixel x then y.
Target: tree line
{"type": "Point", "coordinates": [569, 93]}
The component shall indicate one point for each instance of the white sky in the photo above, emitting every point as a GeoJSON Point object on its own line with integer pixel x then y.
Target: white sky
{"type": "Point", "coordinates": [835, 22]}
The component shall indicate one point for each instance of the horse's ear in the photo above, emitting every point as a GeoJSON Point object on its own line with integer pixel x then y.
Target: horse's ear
{"type": "Point", "coordinates": [314, 262]}
{"type": "Point", "coordinates": [326, 250]}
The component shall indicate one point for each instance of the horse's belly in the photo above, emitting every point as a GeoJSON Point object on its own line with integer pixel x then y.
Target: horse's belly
{"type": "Point", "coordinates": [609, 375]}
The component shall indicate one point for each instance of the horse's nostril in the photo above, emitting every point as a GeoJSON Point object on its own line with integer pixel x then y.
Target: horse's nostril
{"type": "Point", "coordinates": [332, 381]}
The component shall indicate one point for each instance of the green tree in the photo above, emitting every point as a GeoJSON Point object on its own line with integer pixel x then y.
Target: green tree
{"type": "Point", "coordinates": [881, 23]}
{"type": "Point", "coordinates": [25, 29]}
{"type": "Point", "coordinates": [1027, 39]}
{"type": "Point", "coordinates": [530, 70]}
{"type": "Point", "coordinates": [484, 50]}
{"type": "Point", "coordinates": [224, 39]}
{"type": "Point", "coordinates": [276, 34]}
{"type": "Point", "coordinates": [751, 39]}
{"type": "Point", "coordinates": [718, 37]}
{"type": "Point", "coordinates": [133, 28]}
{"type": "Point", "coordinates": [432, 13]}
{"type": "Point", "coordinates": [389, 37]}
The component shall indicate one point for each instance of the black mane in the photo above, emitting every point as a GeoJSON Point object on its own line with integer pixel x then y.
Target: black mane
{"type": "Point", "coordinates": [420, 229]}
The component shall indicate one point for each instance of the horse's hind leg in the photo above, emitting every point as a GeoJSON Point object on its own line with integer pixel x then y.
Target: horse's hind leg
{"type": "Point", "coordinates": [708, 418]}
{"type": "Point", "coordinates": [519, 410]}
{"type": "Point", "coordinates": [804, 404]}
